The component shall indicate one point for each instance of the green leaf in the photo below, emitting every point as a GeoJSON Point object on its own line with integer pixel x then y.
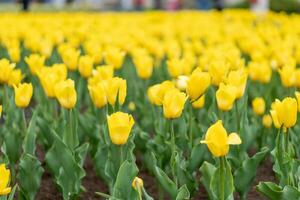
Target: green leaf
{"type": "Point", "coordinates": [183, 193]}
{"type": "Point", "coordinates": [245, 175]}
{"type": "Point", "coordinates": [275, 192]}
{"type": "Point", "coordinates": [123, 185]}
{"type": "Point", "coordinates": [207, 171]}
{"type": "Point", "coordinates": [222, 181]}
{"type": "Point", "coordinates": [165, 182]}
{"type": "Point", "coordinates": [196, 157]}
{"type": "Point", "coordinates": [29, 141]}
{"type": "Point", "coordinates": [30, 174]}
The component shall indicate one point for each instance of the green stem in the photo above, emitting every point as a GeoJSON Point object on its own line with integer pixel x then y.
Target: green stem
{"type": "Point", "coordinates": [222, 181]}
{"type": "Point", "coordinates": [286, 145]}
{"type": "Point", "coordinates": [71, 136]}
{"type": "Point", "coordinates": [237, 118]}
{"type": "Point", "coordinates": [173, 146]}
{"type": "Point", "coordinates": [139, 189]}
{"type": "Point", "coordinates": [121, 155]}
{"type": "Point", "coordinates": [24, 122]}
{"type": "Point", "coordinates": [191, 127]}
{"type": "Point", "coordinates": [160, 193]}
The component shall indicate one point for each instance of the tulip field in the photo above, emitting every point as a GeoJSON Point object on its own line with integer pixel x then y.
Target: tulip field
{"type": "Point", "coordinates": [152, 105]}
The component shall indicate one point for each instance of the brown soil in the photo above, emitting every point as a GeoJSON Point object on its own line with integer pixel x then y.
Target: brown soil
{"type": "Point", "coordinates": [92, 184]}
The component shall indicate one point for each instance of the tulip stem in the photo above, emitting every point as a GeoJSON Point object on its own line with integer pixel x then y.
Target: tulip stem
{"type": "Point", "coordinates": [191, 127]}
{"type": "Point", "coordinates": [173, 146]}
{"type": "Point", "coordinates": [222, 167]}
{"type": "Point", "coordinates": [287, 141]}
{"type": "Point", "coordinates": [121, 155]}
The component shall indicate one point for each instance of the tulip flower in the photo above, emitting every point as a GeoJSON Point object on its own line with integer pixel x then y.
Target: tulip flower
{"type": "Point", "coordinates": [218, 141]}
{"type": "Point", "coordinates": [199, 103]}
{"type": "Point", "coordinates": [218, 71]}
{"type": "Point", "coordinates": [5, 68]}
{"type": "Point", "coordinates": [65, 93]}
{"type": "Point", "coordinates": [114, 57]}
{"type": "Point", "coordinates": [173, 103]}
{"type": "Point", "coordinates": [284, 113]}
{"type": "Point", "coordinates": [288, 76]}
{"type": "Point", "coordinates": [14, 53]}
{"type": "Point", "coordinates": [153, 94]}
{"type": "Point", "coordinates": [1, 109]}
{"type": "Point", "coordinates": [198, 84]}
{"type": "Point", "coordinates": [267, 121]}
{"type": "Point", "coordinates": [259, 105]}
{"type": "Point", "coordinates": [16, 77]}
{"type": "Point", "coordinates": [98, 95]}
{"type": "Point", "coordinates": [119, 125]}
{"type": "Point", "coordinates": [70, 57]}
{"type": "Point", "coordinates": [35, 63]}
{"type": "Point", "coordinates": [85, 65]}
{"type": "Point", "coordinates": [260, 71]}
{"type": "Point", "coordinates": [182, 82]}
{"type": "Point", "coordinates": [115, 87]}
{"type": "Point", "coordinates": [175, 67]}
{"type": "Point", "coordinates": [226, 95]}
{"type": "Point", "coordinates": [23, 94]}
{"type": "Point", "coordinates": [238, 79]}
{"type": "Point", "coordinates": [144, 66]}
{"type": "Point", "coordinates": [163, 88]}
{"type": "Point", "coordinates": [297, 94]}
{"type": "Point", "coordinates": [4, 180]}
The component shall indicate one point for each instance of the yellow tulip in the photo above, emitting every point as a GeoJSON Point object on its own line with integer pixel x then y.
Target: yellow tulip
{"type": "Point", "coordinates": [175, 67]}
{"type": "Point", "coordinates": [284, 113]}
{"type": "Point", "coordinates": [144, 66]}
{"type": "Point", "coordinates": [226, 95]}
{"type": "Point", "coordinates": [23, 94]}
{"type": "Point", "coordinates": [238, 79]}
{"type": "Point", "coordinates": [65, 93]}
{"type": "Point", "coordinates": [14, 53]}
{"type": "Point", "coordinates": [260, 71]}
{"type": "Point", "coordinates": [98, 95]}
{"type": "Point", "coordinates": [258, 105]}
{"type": "Point", "coordinates": [115, 87]}
{"type": "Point", "coordinates": [103, 72]}
{"type": "Point", "coordinates": [197, 84]}
{"type": "Point", "coordinates": [297, 94]}
{"type": "Point", "coordinates": [163, 88]}
{"type": "Point", "coordinates": [16, 77]}
{"type": "Point", "coordinates": [173, 103]}
{"type": "Point", "coordinates": [152, 94]}
{"type": "Point", "coordinates": [218, 71]}
{"type": "Point", "coordinates": [5, 68]}
{"type": "Point", "coordinates": [1, 109]}
{"type": "Point", "coordinates": [60, 70]}
{"type": "Point", "coordinates": [34, 62]}
{"type": "Point", "coordinates": [137, 183]}
{"type": "Point", "coordinates": [182, 82]}
{"type": "Point", "coordinates": [70, 57]}
{"type": "Point", "coordinates": [288, 76]}
{"type": "Point", "coordinates": [119, 126]}
{"type": "Point", "coordinates": [4, 180]}
{"type": "Point", "coordinates": [85, 65]}
{"type": "Point", "coordinates": [218, 141]}
{"type": "Point", "coordinates": [199, 103]}
{"type": "Point", "coordinates": [267, 121]}
{"type": "Point", "coordinates": [114, 57]}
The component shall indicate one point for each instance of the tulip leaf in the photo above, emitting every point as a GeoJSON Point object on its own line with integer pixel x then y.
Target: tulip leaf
{"type": "Point", "coordinates": [183, 193]}
{"type": "Point", "coordinates": [29, 141]}
{"type": "Point", "coordinates": [207, 171]}
{"type": "Point", "coordinates": [197, 156]}
{"type": "Point", "coordinates": [122, 188]}
{"type": "Point", "coordinates": [165, 182]}
{"type": "Point", "coordinates": [245, 175]}
{"type": "Point", "coordinates": [30, 174]}
{"type": "Point", "coordinates": [275, 192]}
{"type": "Point", "coordinates": [222, 181]}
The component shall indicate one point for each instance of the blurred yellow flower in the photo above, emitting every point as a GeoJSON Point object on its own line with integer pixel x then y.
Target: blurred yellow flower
{"type": "Point", "coordinates": [4, 180]}
{"type": "Point", "coordinates": [267, 121]}
{"type": "Point", "coordinates": [35, 62]}
{"type": "Point", "coordinates": [98, 94]}
{"type": "Point", "coordinates": [173, 103]}
{"type": "Point", "coordinates": [85, 65]}
{"type": "Point", "coordinates": [23, 94]}
{"type": "Point", "coordinates": [5, 68]}
{"type": "Point", "coordinates": [197, 84]}
{"type": "Point", "coordinates": [115, 87]}
{"type": "Point", "coordinates": [225, 95]}
{"type": "Point", "coordinates": [65, 93]}
{"type": "Point", "coordinates": [258, 105]}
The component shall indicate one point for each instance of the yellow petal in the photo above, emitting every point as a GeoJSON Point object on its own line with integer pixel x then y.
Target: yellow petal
{"type": "Point", "coordinates": [234, 138]}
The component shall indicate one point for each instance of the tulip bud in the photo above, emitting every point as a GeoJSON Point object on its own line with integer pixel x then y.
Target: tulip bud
{"type": "Point", "coordinates": [114, 57]}
{"type": "Point", "coordinates": [66, 94]}
{"type": "Point", "coordinates": [85, 65]}
{"type": "Point", "coordinates": [182, 82]}
{"type": "Point", "coordinates": [225, 95]}
{"type": "Point", "coordinates": [218, 141]}
{"type": "Point", "coordinates": [175, 67]}
{"type": "Point", "coordinates": [35, 62]}
{"type": "Point", "coordinates": [198, 84]}
{"type": "Point", "coordinates": [5, 68]}
{"type": "Point", "coordinates": [238, 79]}
{"type": "Point", "coordinates": [115, 87]}
{"type": "Point", "coordinates": [23, 94]}
{"type": "Point", "coordinates": [137, 182]}
{"type": "Point", "coordinates": [259, 105]}
{"type": "Point", "coordinates": [98, 95]}
{"type": "Point", "coordinates": [267, 121]}
{"type": "Point", "coordinates": [173, 103]}
{"type": "Point", "coordinates": [119, 125]}
{"type": "Point", "coordinates": [144, 66]}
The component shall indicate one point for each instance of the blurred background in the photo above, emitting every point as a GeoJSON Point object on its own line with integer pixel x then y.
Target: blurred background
{"type": "Point", "coordinates": [140, 5]}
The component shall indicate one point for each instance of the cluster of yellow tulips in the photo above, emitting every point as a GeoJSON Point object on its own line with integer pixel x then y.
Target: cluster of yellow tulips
{"type": "Point", "coordinates": [167, 87]}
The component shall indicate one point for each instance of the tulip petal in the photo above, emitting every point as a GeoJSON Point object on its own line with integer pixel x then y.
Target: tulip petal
{"type": "Point", "coordinates": [234, 139]}
{"type": "Point", "coordinates": [5, 191]}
